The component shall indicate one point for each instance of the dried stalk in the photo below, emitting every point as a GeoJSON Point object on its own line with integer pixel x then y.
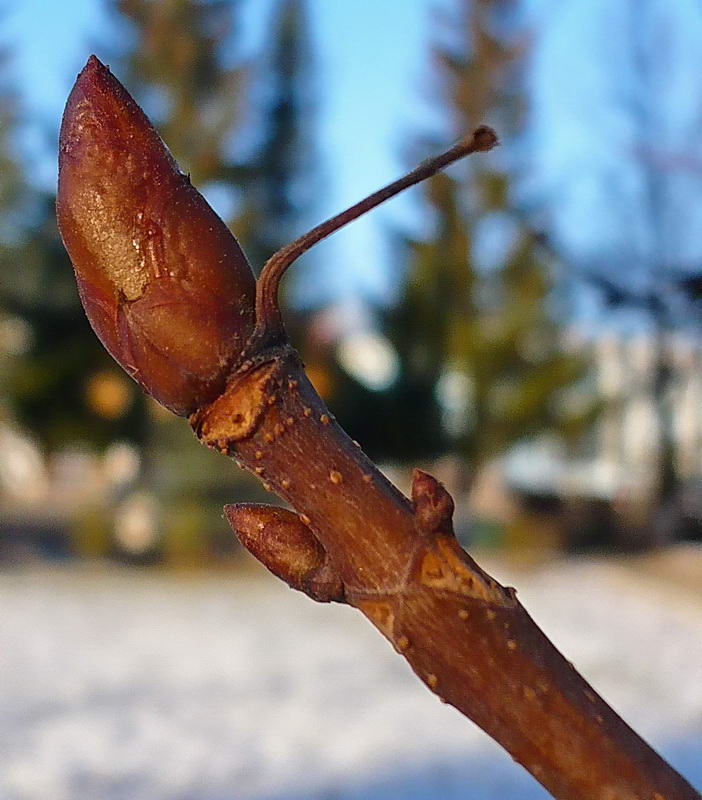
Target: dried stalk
{"type": "Point", "coordinates": [355, 538]}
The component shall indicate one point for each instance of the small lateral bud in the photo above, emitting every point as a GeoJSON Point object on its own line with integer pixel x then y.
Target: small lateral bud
{"type": "Point", "coordinates": [433, 505]}
{"type": "Point", "coordinates": [164, 283]}
{"type": "Point", "coordinates": [287, 547]}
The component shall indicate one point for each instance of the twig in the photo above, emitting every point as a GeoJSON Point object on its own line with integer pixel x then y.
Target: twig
{"type": "Point", "coordinates": [269, 326]}
{"type": "Point", "coordinates": [170, 294]}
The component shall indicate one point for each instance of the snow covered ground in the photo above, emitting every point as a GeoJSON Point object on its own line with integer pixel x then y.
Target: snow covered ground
{"type": "Point", "coordinates": [119, 685]}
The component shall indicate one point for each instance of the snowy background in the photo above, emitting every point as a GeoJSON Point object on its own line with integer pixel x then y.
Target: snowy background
{"type": "Point", "coordinates": [120, 685]}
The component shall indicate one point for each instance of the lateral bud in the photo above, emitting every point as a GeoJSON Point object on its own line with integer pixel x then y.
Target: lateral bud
{"type": "Point", "coordinates": [433, 505]}
{"type": "Point", "coordinates": [288, 548]}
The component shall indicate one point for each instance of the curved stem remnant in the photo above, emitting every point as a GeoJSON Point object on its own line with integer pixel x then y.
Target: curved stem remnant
{"type": "Point", "coordinates": [269, 324]}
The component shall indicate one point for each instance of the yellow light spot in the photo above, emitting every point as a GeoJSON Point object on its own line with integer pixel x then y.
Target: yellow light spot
{"type": "Point", "coordinates": [335, 477]}
{"type": "Point", "coordinates": [432, 680]}
{"type": "Point", "coordinates": [324, 419]}
{"type": "Point", "coordinates": [463, 614]}
{"type": "Point", "coordinates": [108, 394]}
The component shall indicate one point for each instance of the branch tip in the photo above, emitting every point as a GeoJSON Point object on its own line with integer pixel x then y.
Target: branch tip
{"type": "Point", "coordinates": [483, 139]}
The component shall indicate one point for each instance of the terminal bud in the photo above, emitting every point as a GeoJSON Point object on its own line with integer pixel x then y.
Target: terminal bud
{"type": "Point", "coordinates": [164, 283]}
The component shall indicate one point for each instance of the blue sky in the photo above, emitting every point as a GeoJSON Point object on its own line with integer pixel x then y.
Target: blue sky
{"type": "Point", "coordinates": [375, 96]}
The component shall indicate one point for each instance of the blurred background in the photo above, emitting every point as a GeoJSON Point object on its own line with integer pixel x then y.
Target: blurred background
{"type": "Point", "coordinates": [527, 326]}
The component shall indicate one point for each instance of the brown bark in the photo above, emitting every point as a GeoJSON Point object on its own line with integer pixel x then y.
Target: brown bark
{"type": "Point", "coordinates": [465, 636]}
{"type": "Point", "coordinates": [355, 537]}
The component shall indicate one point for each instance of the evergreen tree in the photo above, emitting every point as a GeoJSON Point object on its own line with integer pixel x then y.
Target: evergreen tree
{"type": "Point", "coordinates": [179, 66]}
{"type": "Point", "coordinates": [13, 187]}
{"type": "Point", "coordinates": [240, 128]}
{"type": "Point", "coordinates": [58, 382]}
{"type": "Point", "coordinates": [482, 361]}
{"type": "Point", "coordinates": [13, 205]}
{"type": "Point", "coordinates": [180, 60]}
{"type": "Point", "coordinates": [62, 386]}
{"type": "Point", "coordinates": [283, 185]}
{"type": "Point", "coordinates": [179, 57]}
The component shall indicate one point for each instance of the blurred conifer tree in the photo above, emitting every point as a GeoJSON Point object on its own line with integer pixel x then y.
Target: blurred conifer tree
{"type": "Point", "coordinates": [281, 193]}
{"type": "Point", "coordinates": [64, 387]}
{"type": "Point", "coordinates": [240, 127]}
{"type": "Point", "coordinates": [180, 58]}
{"type": "Point", "coordinates": [182, 64]}
{"type": "Point", "coordinates": [58, 381]}
{"type": "Point", "coordinates": [482, 359]}
{"type": "Point", "coordinates": [182, 61]}
{"type": "Point", "coordinates": [13, 186]}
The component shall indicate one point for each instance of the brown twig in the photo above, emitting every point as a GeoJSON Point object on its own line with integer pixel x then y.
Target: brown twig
{"type": "Point", "coordinates": [466, 636]}
{"type": "Point", "coordinates": [171, 296]}
{"type": "Point", "coordinates": [269, 325]}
